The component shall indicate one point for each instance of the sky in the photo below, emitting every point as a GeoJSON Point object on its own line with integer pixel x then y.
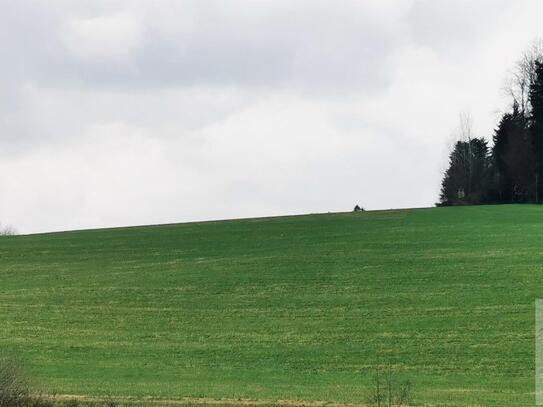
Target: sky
{"type": "Point", "coordinates": [139, 112]}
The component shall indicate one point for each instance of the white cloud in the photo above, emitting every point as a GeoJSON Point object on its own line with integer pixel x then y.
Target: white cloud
{"type": "Point", "coordinates": [109, 37]}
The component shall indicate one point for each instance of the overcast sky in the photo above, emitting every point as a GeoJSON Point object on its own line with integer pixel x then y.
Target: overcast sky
{"type": "Point", "coordinates": [139, 112]}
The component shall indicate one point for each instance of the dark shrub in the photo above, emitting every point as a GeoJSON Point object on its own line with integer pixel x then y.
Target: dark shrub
{"type": "Point", "coordinates": [14, 388]}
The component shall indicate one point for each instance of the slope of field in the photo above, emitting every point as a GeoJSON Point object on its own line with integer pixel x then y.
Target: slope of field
{"type": "Point", "coordinates": [296, 308]}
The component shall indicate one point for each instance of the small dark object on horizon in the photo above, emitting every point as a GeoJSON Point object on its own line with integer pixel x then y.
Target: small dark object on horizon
{"type": "Point", "coordinates": [358, 209]}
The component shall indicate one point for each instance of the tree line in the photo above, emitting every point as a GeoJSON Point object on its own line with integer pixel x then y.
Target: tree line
{"type": "Point", "coordinates": [511, 169]}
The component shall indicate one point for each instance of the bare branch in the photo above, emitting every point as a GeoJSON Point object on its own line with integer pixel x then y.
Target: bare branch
{"type": "Point", "coordinates": [517, 85]}
{"type": "Point", "coordinates": [7, 230]}
{"type": "Point", "coordinates": [465, 127]}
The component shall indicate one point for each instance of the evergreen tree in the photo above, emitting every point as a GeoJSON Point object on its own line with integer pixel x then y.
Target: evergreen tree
{"type": "Point", "coordinates": [513, 159]}
{"type": "Point", "coordinates": [536, 102]}
{"type": "Point", "coordinates": [501, 173]}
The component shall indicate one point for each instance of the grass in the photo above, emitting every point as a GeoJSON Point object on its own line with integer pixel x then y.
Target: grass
{"type": "Point", "coordinates": [295, 308]}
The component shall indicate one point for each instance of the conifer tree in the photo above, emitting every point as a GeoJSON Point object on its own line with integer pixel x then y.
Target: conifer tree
{"type": "Point", "coordinates": [536, 120]}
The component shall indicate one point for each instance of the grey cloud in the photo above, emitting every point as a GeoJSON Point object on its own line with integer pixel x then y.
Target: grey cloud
{"type": "Point", "coordinates": [451, 27]}
{"type": "Point", "coordinates": [316, 48]}
{"type": "Point", "coordinates": [309, 46]}
{"type": "Point", "coordinates": [289, 49]}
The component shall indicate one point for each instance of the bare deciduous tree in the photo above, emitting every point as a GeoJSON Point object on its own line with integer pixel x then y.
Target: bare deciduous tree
{"type": "Point", "coordinates": [466, 180]}
{"type": "Point", "coordinates": [6, 230]}
{"type": "Point", "coordinates": [523, 75]}
{"type": "Point", "coordinates": [465, 128]}
{"type": "Point", "coordinates": [389, 391]}
{"type": "Point", "coordinates": [464, 159]}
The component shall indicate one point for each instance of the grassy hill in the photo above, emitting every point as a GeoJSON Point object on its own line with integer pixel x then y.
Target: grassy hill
{"type": "Point", "coordinates": [295, 308]}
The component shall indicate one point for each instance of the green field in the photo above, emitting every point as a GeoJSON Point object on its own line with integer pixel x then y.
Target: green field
{"type": "Point", "coordinates": [295, 308]}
